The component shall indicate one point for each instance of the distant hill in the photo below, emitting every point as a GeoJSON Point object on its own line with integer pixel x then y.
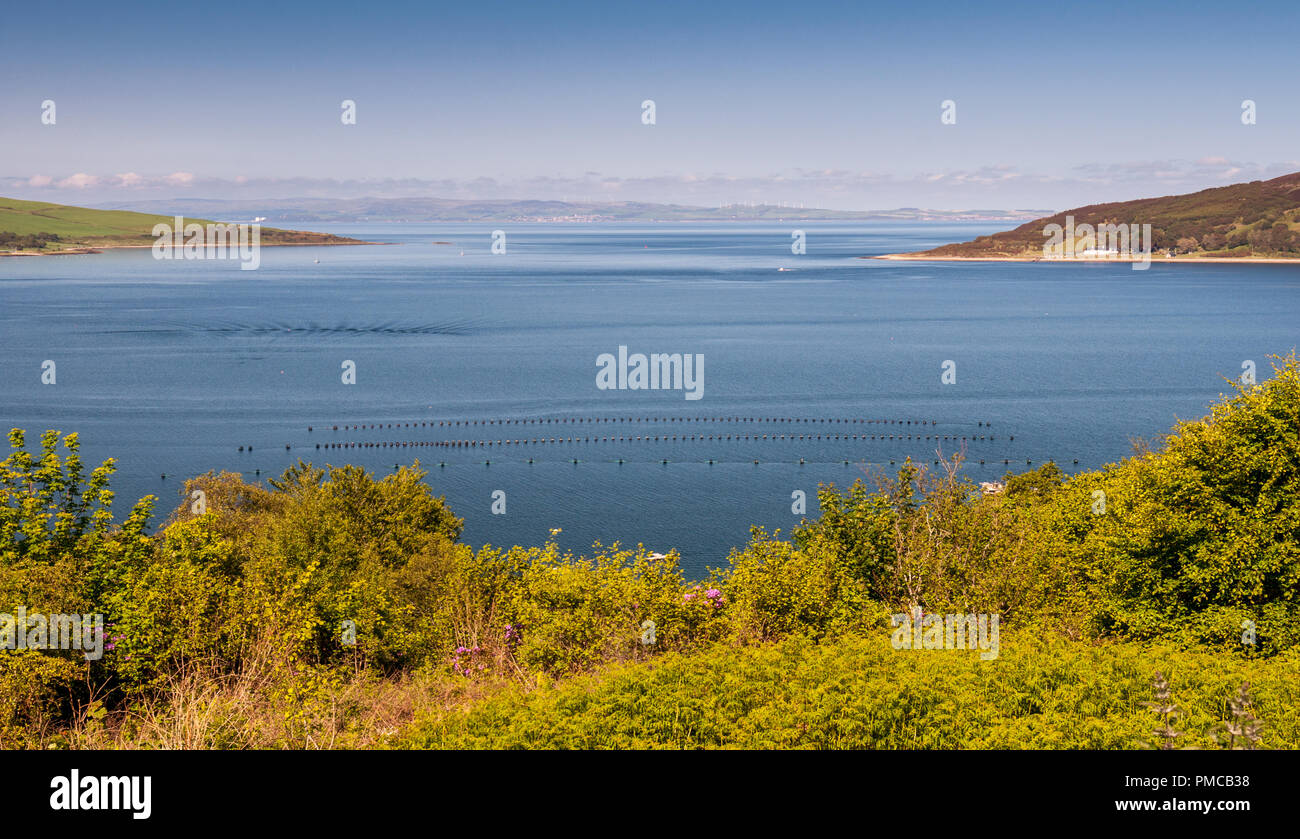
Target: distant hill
{"type": "Point", "coordinates": [352, 210]}
{"type": "Point", "coordinates": [40, 226]}
{"type": "Point", "coordinates": [1260, 219]}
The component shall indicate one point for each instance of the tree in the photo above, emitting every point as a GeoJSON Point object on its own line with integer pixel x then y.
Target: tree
{"type": "Point", "coordinates": [1281, 237]}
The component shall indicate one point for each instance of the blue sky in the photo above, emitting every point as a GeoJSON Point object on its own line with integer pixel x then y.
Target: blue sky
{"type": "Point", "coordinates": [833, 104]}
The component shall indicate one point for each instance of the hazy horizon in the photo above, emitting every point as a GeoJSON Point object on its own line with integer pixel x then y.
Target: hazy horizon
{"type": "Point", "coordinates": [284, 203]}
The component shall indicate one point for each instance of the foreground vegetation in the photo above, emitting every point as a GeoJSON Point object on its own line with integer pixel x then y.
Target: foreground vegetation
{"type": "Point", "coordinates": [860, 693]}
{"type": "Point", "coordinates": [1151, 602]}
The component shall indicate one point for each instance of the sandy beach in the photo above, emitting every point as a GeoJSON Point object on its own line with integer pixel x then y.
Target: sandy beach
{"type": "Point", "coordinates": [51, 253]}
{"type": "Point", "coordinates": [1209, 260]}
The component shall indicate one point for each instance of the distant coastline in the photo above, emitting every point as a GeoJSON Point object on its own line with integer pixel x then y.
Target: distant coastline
{"type": "Point", "coordinates": [307, 211]}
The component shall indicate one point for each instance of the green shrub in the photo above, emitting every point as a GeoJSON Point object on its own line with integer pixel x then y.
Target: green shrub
{"type": "Point", "coordinates": [1204, 534]}
{"type": "Point", "coordinates": [860, 693]}
{"type": "Point", "coordinates": [776, 589]}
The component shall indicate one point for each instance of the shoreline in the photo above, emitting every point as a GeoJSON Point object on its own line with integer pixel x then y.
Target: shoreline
{"type": "Point", "coordinates": [1208, 260]}
{"type": "Point", "coordinates": [101, 248]}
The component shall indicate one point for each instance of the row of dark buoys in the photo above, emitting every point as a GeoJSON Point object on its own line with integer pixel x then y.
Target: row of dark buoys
{"type": "Point", "coordinates": [648, 438]}
{"type": "Point", "coordinates": [458, 444]}
{"type": "Point", "coordinates": [577, 420]}
{"type": "Point", "coordinates": [381, 445]}
{"type": "Point", "coordinates": [665, 438]}
{"type": "Point", "coordinates": [710, 461]}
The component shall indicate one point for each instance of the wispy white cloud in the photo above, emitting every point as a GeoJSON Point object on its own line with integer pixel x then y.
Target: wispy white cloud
{"type": "Point", "coordinates": [80, 180]}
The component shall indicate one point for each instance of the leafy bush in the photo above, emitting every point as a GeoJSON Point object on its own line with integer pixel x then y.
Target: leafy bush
{"type": "Point", "coordinates": [1205, 534]}
{"type": "Point", "coordinates": [777, 589]}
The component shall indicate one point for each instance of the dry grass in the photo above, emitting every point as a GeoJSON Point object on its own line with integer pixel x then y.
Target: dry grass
{"type": "Point", "coordinates": [270, 703]}
{"type": "Point", "coordinates": [206, 712]}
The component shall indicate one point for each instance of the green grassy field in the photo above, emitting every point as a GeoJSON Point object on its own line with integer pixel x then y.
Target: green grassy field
{"type": "Point", "coordinates": [84, 227]}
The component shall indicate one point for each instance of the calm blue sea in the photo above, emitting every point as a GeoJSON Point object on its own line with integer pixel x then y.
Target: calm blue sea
{"type": "Point", "coordinates": [170, 366]}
